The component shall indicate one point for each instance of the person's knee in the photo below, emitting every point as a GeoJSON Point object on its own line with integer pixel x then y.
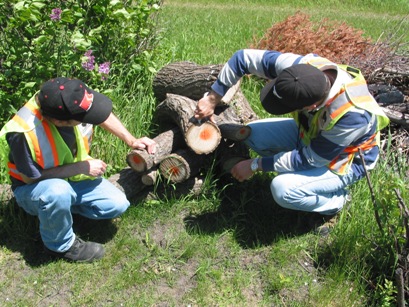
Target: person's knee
{"type": "Point", "coordinates": [278, 190]}
{"type": "Point", "coordinates": [114, 207]}
{"type": "Point", "coordinates": [58, 194]}
{"type": "Point", "coordinates": [121, 205]}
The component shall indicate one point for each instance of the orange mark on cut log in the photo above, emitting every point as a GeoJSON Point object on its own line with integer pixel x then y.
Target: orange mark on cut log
{"type": "Point", "coordinates": [174, 170]}
{"type": "Point", "coordinates": [205, 134]}
{"type": "Point", "coordinates": [136, 159]}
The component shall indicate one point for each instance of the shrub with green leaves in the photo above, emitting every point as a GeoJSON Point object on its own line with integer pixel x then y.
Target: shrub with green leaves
{"type": "Point", "coordinates": [97, 41]}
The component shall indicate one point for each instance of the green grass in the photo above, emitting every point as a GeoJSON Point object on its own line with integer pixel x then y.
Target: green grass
{"type": "Point", "coordinates": [231, 245]}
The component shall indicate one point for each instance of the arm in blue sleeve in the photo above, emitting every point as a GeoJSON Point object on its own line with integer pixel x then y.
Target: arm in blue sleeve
{"type": "Point", "coordinates": [247, 61]}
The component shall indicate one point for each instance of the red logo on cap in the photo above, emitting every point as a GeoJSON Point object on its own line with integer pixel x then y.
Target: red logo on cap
{"type": "Point", "coordinates": [86, 102]}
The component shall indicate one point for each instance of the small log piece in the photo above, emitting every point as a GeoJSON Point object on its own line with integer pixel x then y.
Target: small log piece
{"type": "Point", "coordinates": [167, 142]}
{"type": "Point", "coordinates": [150, 177]}
{"type": "Point", "coordinates": [234, 131]}
{"type": "Point", "coordinates": [128, 181]}
{"type": "Point", "coordinates": [397, 117]}
{"type": "Point", "coordinates": [181, 165]}
{"type": "Point", "coordinates": [201, 138]}
{"type": "Point", "coordinates": [192, 186]}
{"type": "Point", "coordinates": [185, 79]}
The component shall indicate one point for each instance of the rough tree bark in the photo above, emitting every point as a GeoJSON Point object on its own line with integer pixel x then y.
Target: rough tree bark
{"type": "Point", "coordinates": [186, 79]}
{"type": "Point", "coordinates": [167, 142]}
{"type": "Point", "coordinates": [201, 138]}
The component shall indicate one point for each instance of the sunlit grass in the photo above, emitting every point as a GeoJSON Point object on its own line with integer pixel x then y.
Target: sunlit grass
{"type": "Point", "coordinates": [231, 245]}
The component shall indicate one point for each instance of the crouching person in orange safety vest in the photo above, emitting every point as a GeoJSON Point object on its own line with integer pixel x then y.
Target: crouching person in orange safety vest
{"type": "Point", "coordinates": [46, 146]}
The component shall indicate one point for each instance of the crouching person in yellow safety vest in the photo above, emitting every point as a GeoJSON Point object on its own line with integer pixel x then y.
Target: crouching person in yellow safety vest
{"type": "Point", "coordinates": [46, 146]}
{"type": "Point", "coordinates": [316, 153]}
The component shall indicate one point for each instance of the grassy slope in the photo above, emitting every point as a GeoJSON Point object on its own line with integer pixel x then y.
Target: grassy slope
{"type": "Point", "coordinates": [232, 245]}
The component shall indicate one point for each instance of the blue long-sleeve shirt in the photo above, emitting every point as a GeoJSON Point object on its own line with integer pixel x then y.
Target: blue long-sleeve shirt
{"type": "Point", "coordinates": [353, 128]}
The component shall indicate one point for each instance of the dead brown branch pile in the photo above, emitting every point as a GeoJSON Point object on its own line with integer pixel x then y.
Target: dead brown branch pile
{"type": "Point", "coordinates": [378, 61]}
{"type": "Point", "coordinates": [384, 63]}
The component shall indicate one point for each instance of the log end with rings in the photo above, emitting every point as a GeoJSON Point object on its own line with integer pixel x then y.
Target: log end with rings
{"type": "Point", "coordinates": [203, 138]}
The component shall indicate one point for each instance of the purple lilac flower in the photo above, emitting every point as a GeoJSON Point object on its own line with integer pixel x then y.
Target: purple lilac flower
{"type": "Point", "coordinates": [90, 63]}
{"type": "Point", "coordinates": [56, 14]}
{"type": "Point", "coordinates": [104, 68]}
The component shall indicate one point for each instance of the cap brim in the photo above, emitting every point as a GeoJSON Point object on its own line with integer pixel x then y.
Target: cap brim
{"type": "Point", "coordinates": [99, 111]}
{"type": "Point", "coordinates": [270, 102]}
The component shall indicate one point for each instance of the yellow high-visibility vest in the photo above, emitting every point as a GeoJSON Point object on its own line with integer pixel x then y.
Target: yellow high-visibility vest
{"type": "Point", "coordinates": [354, 94]}
{"type": "Point", "coordinates": [46, 145]}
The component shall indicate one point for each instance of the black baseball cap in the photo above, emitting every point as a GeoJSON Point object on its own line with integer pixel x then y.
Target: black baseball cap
{"type": "Point", "coordinates": [296, 87]}
{"type": "Point", "coordinates": [65, 99]}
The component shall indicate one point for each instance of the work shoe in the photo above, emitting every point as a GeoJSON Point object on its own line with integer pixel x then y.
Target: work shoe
{"type": "Point", "coordinates": [81, 251]}
{"type": "Point", "coordinates": [322, 224]}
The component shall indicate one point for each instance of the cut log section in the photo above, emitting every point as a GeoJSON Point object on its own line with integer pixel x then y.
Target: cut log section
{"type": "Point", "coordinates": [201, 138]}
{"type": "Point", "coordinates": [233, 131]}
{"type": "Point", "coordinates": [181, 165]}
{"type": "Point", "coordinates": [167, 142]}
{"type": "Point", "coordinates": [150, 177]}
{"type": "Point", "coordinates": [185, 79]}
{"type": "Point", "coordinates": [128, 182]}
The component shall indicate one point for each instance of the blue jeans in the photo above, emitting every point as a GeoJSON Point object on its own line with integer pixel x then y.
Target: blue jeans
{"type": "Point", "coordinates": [54, 200]}
{"type": "Point", "coordinates": [315, 190]}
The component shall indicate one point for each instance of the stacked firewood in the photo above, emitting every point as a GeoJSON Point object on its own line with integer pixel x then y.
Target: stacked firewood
{"type": "Point", "coordinates": [185, 146]}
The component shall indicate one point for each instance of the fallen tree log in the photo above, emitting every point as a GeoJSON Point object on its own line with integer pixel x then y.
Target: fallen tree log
{"type": "Point", "coordinates": [185, 79]}
{"type": "Point", "coordinates": [167, 142]}
{"type": "Point", "coordinates": [192, 186]}
{"type": "Point", "coordinates": [204, 137]}
{"type": "Point", "coordinates": [397, 117]}
{"type": "Point", "coordinates": [128, 181]}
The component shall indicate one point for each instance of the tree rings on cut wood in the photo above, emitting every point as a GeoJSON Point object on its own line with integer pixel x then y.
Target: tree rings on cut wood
{"type": "Point", "coordinates": [203, 138]}
{"type": "Point", "coordinates": [181, 165]}
{"type": "Point", "coordinates": [234, 131]}
{"type": "Point", "coordinates": [138, 160]}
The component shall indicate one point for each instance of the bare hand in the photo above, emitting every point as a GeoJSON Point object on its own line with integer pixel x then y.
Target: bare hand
{"type": "Point", "coordinates": [205, 106]}
{"type": "Point", "coordinates": [96, 167]}
{"type": "Point", "coordinates": [145, 143]}
{"type": "Point", "coordinates": [242, 170]}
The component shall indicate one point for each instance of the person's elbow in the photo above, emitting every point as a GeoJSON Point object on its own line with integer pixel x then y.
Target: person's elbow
{"type": "Point", "coordinates": [28, 180]}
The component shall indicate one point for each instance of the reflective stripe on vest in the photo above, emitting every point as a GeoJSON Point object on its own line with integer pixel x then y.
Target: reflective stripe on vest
{"type": "Point", "coordinates": [13, 172]}
{"type": "Point", "coordinates": [46, 145]}
{"type": "Point", "coordinates": [40, 138]}
{"type": "Point", "coordinates": [341, 166]}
